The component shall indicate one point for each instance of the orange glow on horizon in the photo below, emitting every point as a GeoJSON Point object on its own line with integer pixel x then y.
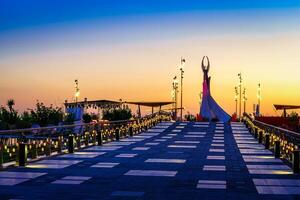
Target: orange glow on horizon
{"type": "Point", "coordinates": [142, 69]}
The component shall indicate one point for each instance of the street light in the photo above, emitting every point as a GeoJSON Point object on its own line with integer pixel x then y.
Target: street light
{"type": "Point", "coordinates": [258, 98]}
{"type": "Point", "coordinates": [236, 99]}
{"type": "Point", "coordinates": [182, 63]}
{"type": "Point", "coordinates": [175, 91]}
{"type": "Point", "coordinates": [77, 91]}
{"type": "Point", "coordinates": [240, 86]}
{"type": "Point", "coordinates": [244, 99]}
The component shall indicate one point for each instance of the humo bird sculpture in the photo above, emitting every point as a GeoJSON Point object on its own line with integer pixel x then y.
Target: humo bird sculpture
{"type": "Point", "coordinates": [210, 110]}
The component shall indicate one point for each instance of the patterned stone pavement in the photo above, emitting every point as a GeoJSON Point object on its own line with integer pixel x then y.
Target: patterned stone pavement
{"type": "Point", "coordinates": [170, 161]}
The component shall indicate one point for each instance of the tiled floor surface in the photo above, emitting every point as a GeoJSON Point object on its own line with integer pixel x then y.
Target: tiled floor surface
{"type": "Point", "coordinates": [170, 161]}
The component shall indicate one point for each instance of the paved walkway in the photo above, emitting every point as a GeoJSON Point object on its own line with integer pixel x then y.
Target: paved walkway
{"type": "Point", "coordinates": [170, 161]}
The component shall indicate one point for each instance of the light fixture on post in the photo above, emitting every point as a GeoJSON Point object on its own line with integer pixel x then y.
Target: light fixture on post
{"type": "Point", "coordinates": [236, 99]}
{"type": "Point", "coordinates": [244, 99]}
{"type": "Point", "coordinates": [175, 91]}
{"type": "Point", "coordinates": [259, 100]}
{"type": "Point", "coordinates": [77, 91]}
{"type": "Point", "coordinates": [240, 93]}
{"type": "Point", "coordinates": [182, 63]}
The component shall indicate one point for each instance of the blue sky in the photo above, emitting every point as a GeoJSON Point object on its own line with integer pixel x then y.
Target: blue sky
{"type": "Point", "coordinates": [15, 14]}
{"type": "Point", "coordinates": [46, 44]}
{"type": "Point", "coordinates": [50, 25]}
{"type": "Point", "coordinates": [47, 23]}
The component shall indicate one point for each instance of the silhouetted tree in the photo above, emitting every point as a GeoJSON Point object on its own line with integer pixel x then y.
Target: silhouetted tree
{"type": "Point", "coordinates": [10, 103]}
{"type": "Point", "coordinates": [44, 115]}
{"type": "Point", "coordinates": [9, 117]}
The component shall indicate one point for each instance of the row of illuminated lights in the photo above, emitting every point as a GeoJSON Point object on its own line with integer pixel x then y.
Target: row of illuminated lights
{"type": "Point", "coordinates": [47, 141]}
{"type": "Point", "coordinates": [287, 147]}
{"type": "Point", "coordinates": [43, 144]}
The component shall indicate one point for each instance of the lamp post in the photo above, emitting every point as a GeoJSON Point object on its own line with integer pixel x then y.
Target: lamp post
{"type": "Point", "coordinates": [175, 91]}
{"type": "Point", "coordinates": [77, 91]}
{"type": "Point", "coordinates": [244, 99]}
{"type": "Point", "coordinates": [240, 87]}
{"type": "Point", "coordinates": [182, 63]}
{"type": "Point", "coordinates": [258, 98]}
{"type": "Point", "coordinates": [236, 99]}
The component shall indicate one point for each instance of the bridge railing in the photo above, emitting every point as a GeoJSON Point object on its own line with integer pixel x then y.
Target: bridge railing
{"type": "Point", "coordinates": [284, 143]}
{"type": "Point", "coordinates": [22, 145]}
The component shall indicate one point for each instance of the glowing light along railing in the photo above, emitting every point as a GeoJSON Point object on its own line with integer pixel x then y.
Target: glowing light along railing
{"type": "Point", "coordinates": [284, 143]}
{"type": "Point", "coordinates": [47, 141]}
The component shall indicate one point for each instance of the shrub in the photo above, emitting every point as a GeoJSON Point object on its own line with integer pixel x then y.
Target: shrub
{"type": "Point", "coordinates": [44, 115]}
{"type": "Point", "coordinates": [87, 118]}
{"type": "Point", "coordinates": [117, 114]}
{"type": "Point", "coordinates": [293, 117]}
{"type": "Point", "coordinates": [94, 117]}
{"type": "Point", "coordinates": [190, 117]}
{"type": "Point", "coordinates": [8, 117]}
{"type": "Point", "coordinates": [69, 118]}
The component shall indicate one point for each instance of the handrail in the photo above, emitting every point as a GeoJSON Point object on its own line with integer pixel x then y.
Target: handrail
{"type": "Point", "coordinates": [275, 129]}
{"type": "Point", "coordinates": [70, 126]}
{"type": "Point", "coordinates": [278, 128]}
{"type": "Point", "coordinates": [285, 143]}
{"type": "Point", "coordinates": [16, 145]}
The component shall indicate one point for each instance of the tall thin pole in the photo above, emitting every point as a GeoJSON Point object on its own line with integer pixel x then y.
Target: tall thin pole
{"type": "Point", "coordinates": [173, 99]}
{"type": "Point", "coordinates": [176, 100]}
{"type": "Point", "coordinates": [236, 100]}
{"type": "Point", "coordinates": [175, 91]}
{"type": "Point", "coordinates": [244, 99]}
{"type": "Point", "coordinates": [181, 92]}
{"type": "Point", "coordinates": [236, 106]}
{"type": "Point", "coordinates": [240, 85]}
{"type": "Point", "coordinates": [259, 98]}
{"type": "Point", "coordinates": [181, 86]}
{"type": "Point", "coordinates": [77, 91]}
{"type": "Point", "coordinates": [244, 106]}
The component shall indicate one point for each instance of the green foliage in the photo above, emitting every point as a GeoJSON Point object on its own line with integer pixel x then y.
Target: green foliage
{"type": "Point", "coordinates": [44, 115]}
{"type": "Point", "coordinates": [10, 104]}
{"type": "Point", "coordinates": [69, 118]}
{"type": "Point", "coordinates": [94, 116]}
{"type": "Point", "coordinates": [8, 117]}
{"type": "Point", "coordinates": [87, 118]}
{"type": "Point", "coordinates": [190, 117]}
{"type": "Point", "coordinates": [23, 124]}
{"type": "Point", "coordinates": [26, 116]}
{"type": "Point", "coordinates": [4, 125]}
{"type": "Point", "coordinates": [41, 114]}
{"type": "Point", "coordinates": [293, 117]}
{"type": "Point", "coordinates": [117, 114]}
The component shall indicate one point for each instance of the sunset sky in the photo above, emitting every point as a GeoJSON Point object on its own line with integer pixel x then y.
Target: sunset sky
{"type": "Point", "coordinates": [131, 49]}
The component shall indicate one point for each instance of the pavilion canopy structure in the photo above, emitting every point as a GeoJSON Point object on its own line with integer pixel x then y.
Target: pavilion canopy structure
{"type": "Point", "coordinates": [286, 107]}
{"type": "Point", "coordinates": [102, 104]}
{"type": "Point", "coordinates": [78, 108]}
{"type": "Point", "coordinates": [151, 104]}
